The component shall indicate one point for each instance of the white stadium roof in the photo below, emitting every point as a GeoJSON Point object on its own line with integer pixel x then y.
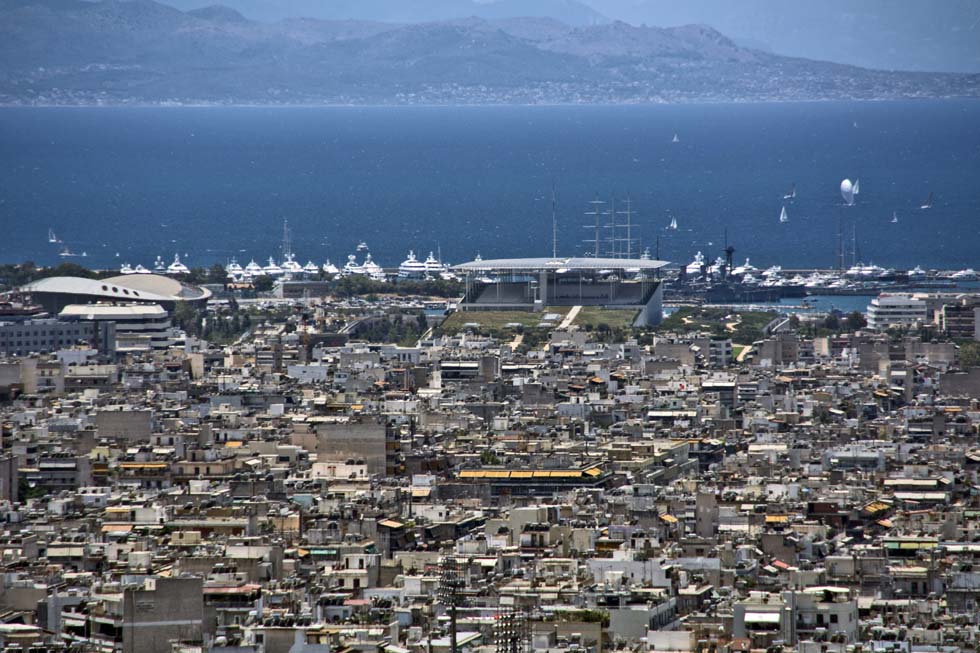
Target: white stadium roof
{"type": "Point", "coordinates": [141, 288]}
{"type": "Point", "coordinates": [547, 264]}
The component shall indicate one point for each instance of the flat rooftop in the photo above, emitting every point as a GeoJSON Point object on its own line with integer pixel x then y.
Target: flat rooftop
{"type": "Point", "coordinates": [559, 265]}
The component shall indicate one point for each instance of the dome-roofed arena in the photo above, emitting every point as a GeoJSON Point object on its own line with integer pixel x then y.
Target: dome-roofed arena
{"type": "Point", "coordinates": [54, 293]}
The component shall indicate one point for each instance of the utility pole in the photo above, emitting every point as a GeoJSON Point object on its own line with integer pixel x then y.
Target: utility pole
{"type": "Point", "coordinates": [450, 587]}
{"type": "Point", "coordinates": [511, 631]}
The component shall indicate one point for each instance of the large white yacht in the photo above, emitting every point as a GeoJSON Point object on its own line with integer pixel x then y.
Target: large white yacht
{"type": "Point", "coordinates": [310, 269]}
{"type": "Point", "coordinates": [253, 269]}
{"type": "Point", "coordinates": [372, 269]}
{"type": "Point", "coordinates": [177, 267]}
{"type": "Point", "coordinates": [234, 269]}
{"type": "Point", "coordinates": [917, 273]}
{"type": "Point", "coordinates": [694, 267]}
{"type": "Point", "coordinates": [272, 269]}
{"type": "Point", "coordinates": [865, 271]}
{"type": "Point", "coordinates": [126, 269]}
{"type": "Point", "coordinates": [745, 268]}
{"type": "Point", "coordinates": [411, 267]}
{"type": "Point", "coordinates": [291, 266]}
{"type": "Point", "coordinates": [330, 268]}
{"type": "Point", "coordinates": [352, 266]}
{"type": "Point", "coordinates": [432, 267]}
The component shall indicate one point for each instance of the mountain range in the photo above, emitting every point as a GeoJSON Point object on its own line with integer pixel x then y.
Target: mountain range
{"type": "Point", "coordinates": [571, 12]}
{"type": "Point", "coordinates": [145, 52]}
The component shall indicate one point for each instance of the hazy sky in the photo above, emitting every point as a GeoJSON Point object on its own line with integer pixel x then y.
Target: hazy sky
{"type": "Point", "coordinates": [938, 35]}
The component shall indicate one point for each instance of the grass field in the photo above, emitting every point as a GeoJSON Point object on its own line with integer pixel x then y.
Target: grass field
{"type": "Point", "coordinates": [616, 318]}
{"type": "Point", "coordinates": [500, 323]}
{"type": "Point", "coordinates": [742, 327]}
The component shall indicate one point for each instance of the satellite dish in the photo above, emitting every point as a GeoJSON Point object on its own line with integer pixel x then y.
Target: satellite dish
{"type": "Point", "coordinates": [847, 191]}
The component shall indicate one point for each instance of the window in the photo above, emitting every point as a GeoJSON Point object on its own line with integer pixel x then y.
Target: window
{"type": "Point", "coordinates": [833, 618]}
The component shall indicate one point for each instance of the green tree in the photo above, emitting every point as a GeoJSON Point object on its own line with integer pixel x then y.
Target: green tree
{"type": "Point", "coordinates": [262, 284]}
{"type": "Point", "coordinates": [186, 317]}
{"type": "Point", "coordinates": [831, 322]}
{"type": "Point", "coordinates": [217, 274]}
{"type": "Point", "coordinates": [855, 321]}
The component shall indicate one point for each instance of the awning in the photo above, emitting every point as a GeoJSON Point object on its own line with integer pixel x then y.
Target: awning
{"type": "Point", "coordinates": [762, 617]}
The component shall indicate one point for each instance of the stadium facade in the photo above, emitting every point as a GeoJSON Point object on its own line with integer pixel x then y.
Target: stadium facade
{"type": "Point", "coordinates": [533, 284]}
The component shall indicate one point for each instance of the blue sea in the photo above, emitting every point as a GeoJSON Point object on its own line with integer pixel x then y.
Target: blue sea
{"type": "Point", "coordinates": [131, 184]}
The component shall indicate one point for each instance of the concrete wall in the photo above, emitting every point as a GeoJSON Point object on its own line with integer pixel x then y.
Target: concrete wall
{"type": "Point", "coordinates": [128, 425]}
{"type": "Point", "coordinates": [353, 440]}
{"type": "Point", "coordinates": [172, 611]}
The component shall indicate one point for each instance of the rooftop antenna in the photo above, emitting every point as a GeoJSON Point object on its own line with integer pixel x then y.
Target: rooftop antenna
{"type": "Point", "coordinates": [554, 223]}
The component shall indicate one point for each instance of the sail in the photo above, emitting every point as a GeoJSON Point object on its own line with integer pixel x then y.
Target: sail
{"type": "Point", "coordinates": [847, 192]}
{"type": "Point", "coordinates": [928, 203]}
{"type": "Point", "coordinates": [857, 186]}
{"type": "Point", "coordinates": [783, 217]}
{"type": "Point", "coordinates": [676, 139]}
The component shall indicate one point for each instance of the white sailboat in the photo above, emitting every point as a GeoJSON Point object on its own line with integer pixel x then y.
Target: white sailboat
{"type": "Point", "coordinates": [928, 202]}
{"type": "Point", "coordinates": [673, 224]}
{"type": "Point", "coordinates": [791, 195]}
{"type": "Point", "coordinates": [53, 238]}
{"type": "Point", "coordinates": [857, 187]}
{"type": "Point", "coordinates": [894, 217]}
{"type": "Point", "coordinates": [675, 139]}
{"type": "Point", "coordinates": [783, 216]}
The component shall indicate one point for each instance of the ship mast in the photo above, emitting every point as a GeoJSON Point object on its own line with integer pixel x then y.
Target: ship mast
{"type": "Point", "coordinates": [287, 249]}
{"type": "Point", "coordinates": [596, 212]}
{"type": "Point", "coordinates": [554, 224]}
{"type": "Point", "coordinates": [629, 229]}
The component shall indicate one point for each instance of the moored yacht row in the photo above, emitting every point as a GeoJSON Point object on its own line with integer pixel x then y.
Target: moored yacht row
{"type": "Point", "coordinates": [857, 276]}
{"type": "Point", "coordinates": [289, 268]}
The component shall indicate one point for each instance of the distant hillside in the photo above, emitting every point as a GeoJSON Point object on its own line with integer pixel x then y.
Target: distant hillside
{"type": "Point", "coordinates": [140, 51]}
{"type": "Point", "coordinates": [571, 12]}
{"type": "Point", "coordinates": [885, 34]}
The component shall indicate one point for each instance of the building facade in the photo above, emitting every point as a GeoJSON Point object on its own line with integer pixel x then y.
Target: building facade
{"type": "Point", "coordinates": [48, 335]}
{"type": "Point", "coordinates": [896, 311]}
